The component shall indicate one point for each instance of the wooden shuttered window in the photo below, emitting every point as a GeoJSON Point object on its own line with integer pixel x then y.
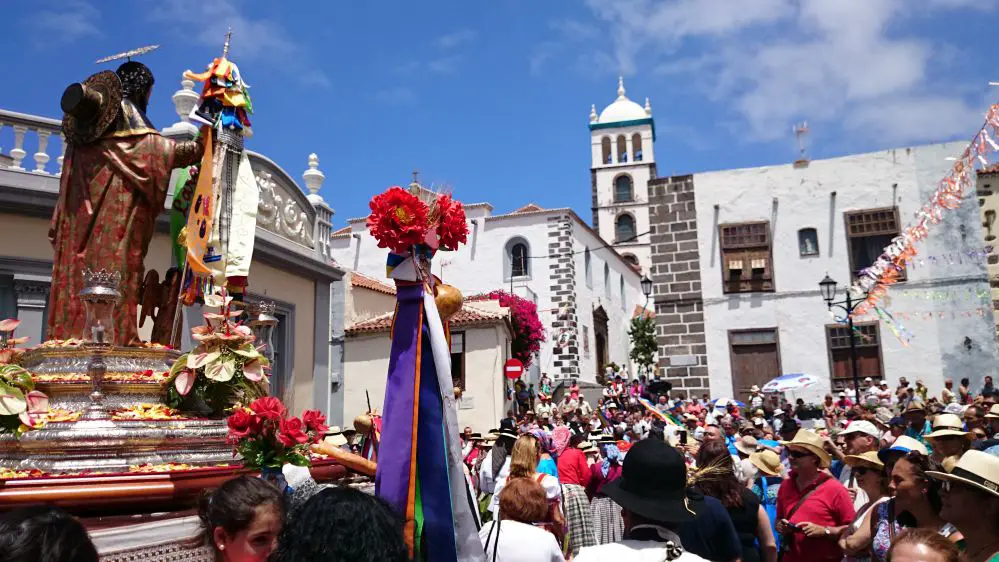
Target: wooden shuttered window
{"type": "Point", "coordinates": [746, 257]}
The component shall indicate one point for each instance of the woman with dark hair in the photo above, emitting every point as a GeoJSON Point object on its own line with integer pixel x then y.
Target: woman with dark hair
{"type": "Point", "coordinates": [515, 537]}
{"type": "Point", "coordinates": [869, 471]}
{"type": "Point", "coordinates": [241, 519]}
{"type": "Point", "coordinates": [44, 534]}
{"type": "Point", "coordinates": [917, 497]}
{"type": "Point", "coordinates": [716, 477]}
{"type": "Point", "coordinates": [342, 525]}
{"type": "Point", "coordinates": [965, 391]}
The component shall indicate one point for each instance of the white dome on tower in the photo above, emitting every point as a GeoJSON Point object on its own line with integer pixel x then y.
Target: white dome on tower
{"type": "Point", "coordinates": [623, 109]}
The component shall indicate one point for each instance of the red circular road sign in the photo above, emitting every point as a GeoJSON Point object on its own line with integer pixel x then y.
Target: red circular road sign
{"type": "Point", "coordinates": [513, 369]}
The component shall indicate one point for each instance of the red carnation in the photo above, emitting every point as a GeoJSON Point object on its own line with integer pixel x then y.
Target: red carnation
{"type": "Point", "coordinates": [398, 220]}
{"type": "Point", "coordinates": [292, 432]}
{"type": "Point", "coordinates": [269, 408]}
{"type": "Point", "coordinates": [315, 421]}
{"type": "Point", "coordinates": [452, 229]}
{"type": "Point", "coordinates": [241, 424]}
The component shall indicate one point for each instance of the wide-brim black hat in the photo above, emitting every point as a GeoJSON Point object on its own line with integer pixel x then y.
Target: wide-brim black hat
{"type": "Point", "coordinates": [653, 483]}
{"type": "Point", "coordinates": [91, 107]}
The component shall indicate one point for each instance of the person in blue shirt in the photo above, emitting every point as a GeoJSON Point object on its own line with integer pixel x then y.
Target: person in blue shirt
{"type": "Point", "coordinates": [728, 428]}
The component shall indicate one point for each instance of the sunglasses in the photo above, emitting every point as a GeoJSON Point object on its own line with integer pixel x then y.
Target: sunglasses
{"type": "Point", "coordinates": [862, 470]}
{"type": "Point", "coordinates": [798, 454]}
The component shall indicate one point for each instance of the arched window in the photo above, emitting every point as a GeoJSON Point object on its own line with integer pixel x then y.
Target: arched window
{"type": "Point", "coordinates": [632, 261]}
{"type": "Point", "coordinates": [607, 290]}
{"type": "Point", "coordinates": [624, 228]}
{"type": "Point", "coordinates": [636, 146]}
{"type": "Point", "coordinates": [587, 268]}
{"type": "Point", "coordinates": [623, 189]}
{"type": "Point", "coordinates": [622, 148]}
{"type": "Point", "coordinates": [516, 258]}
{"type": "Point", "coordinates": [808, 242]}
{"type": "Point", "coordinates": [605, 149]}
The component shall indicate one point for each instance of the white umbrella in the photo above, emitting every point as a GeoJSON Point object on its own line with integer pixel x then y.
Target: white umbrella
{"type": "Point", "coordinates": [793, 381]}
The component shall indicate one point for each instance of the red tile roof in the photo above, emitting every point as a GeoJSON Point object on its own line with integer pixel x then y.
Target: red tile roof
{"type": "Point", "coordinates": [343, 230]}
{"type": "Point", "coordinates": [529, 208]}
{"type": "Point", "coordinates": [361, 280]}
{"type": "Point", "coordinates": [989, 170]}
{"type": "Point", "coordinates": [467, 316]}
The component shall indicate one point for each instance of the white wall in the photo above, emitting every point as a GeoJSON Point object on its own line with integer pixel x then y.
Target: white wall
{"type": "Point", "coordinates": [804, 199]}
{"type": "Point", "coordinates": [366, 361]}
{"type": "Point", "coordinates": [619, 312]}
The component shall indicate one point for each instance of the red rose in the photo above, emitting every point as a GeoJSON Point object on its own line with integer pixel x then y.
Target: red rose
{"type": "Point", "coordinates": [241, 424]}
{"type": "Point", "coordinates": [269, 408]}
{"type": "Point", "coordinates": [398, 220]}
{"type": "Point", "coordinates": [315, 421]}
{"type": "Point", "coordinates": [292, 432]}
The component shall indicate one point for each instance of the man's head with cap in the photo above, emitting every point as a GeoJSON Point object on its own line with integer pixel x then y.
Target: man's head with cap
{"type": "Point", "coordinates": [861, 436]}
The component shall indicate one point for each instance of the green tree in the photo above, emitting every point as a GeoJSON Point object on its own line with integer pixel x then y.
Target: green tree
{"type": "Point", "coordinates": [643, 342]}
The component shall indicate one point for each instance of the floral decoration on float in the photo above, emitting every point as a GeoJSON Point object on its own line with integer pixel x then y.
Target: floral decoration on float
{"type": "Point", "coordinates": [21, 406]}
{"type": "Point", "coordinates": [224, 370]}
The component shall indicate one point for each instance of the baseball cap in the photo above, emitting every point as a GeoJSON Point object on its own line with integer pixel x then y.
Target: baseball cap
{"type": "Point", "coordinates": [862, 426]}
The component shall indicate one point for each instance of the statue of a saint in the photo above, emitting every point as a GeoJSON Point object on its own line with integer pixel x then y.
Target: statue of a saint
{"type": "Point", "coordinates": [114, 183]}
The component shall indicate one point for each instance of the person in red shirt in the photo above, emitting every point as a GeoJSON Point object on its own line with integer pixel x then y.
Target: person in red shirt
{"type": "Point", "coordinates": [810, 527]}
{"type": "Point", "coordinates": [574, 475]}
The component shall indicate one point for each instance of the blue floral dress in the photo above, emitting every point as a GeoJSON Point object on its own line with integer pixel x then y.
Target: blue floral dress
{"type": "Point", "coordinates": [765, 488]}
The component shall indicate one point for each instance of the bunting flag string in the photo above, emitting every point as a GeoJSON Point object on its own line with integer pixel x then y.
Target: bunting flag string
{"type": "Point", "coordinates": [874, 281]}
{"type": "Point", "coordinates": [903, 335]}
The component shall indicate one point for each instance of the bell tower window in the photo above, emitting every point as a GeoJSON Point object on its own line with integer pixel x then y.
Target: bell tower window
{"type": "Point", "coordinates": [636, 146]}
{"type": "Point", "coordinates": [623, 189]}
{"type": "Point", "coordinates": [605, 148]}
{"type": "Point", "coordinates": [622, 148]}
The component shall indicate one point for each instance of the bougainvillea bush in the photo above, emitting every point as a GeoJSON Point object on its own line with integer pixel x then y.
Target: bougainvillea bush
{"type": "Point", "coordinates": [528, 333]}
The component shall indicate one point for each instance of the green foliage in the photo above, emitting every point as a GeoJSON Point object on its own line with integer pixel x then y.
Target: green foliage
{"type": "Point", "coordinates": [643, 342]}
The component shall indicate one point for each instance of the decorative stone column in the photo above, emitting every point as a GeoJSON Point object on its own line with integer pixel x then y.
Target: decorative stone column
{"type": "Point", "coordinates": [32, 294]}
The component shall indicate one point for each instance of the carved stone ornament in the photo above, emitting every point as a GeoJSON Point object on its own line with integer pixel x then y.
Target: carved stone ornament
{"type": "Point", "coordinates": [280, 213]}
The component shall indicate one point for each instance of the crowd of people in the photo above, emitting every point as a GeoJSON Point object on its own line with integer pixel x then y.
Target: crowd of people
{"type": "Point", "coordinates": [641, 475]}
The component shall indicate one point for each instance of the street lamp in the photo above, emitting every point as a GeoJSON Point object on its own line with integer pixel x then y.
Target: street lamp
{"type": "Point", "coordinates": [646, 287]}
{"type": "Point", "coordinates": [828, 289]}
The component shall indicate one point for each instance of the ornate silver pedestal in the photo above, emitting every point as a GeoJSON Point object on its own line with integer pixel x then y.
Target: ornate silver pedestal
{"type": "Point", "coordinates": [96, 443]}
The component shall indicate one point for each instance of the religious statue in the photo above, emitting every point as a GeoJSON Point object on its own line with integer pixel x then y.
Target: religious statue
{"type": "Point", "coordinates": [114, 183]}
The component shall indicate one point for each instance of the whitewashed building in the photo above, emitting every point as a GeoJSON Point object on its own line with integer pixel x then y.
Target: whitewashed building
{"type": "Point", "coordinates": [586, 292]}
{"type": "Point", "coordinates": [738, 254]}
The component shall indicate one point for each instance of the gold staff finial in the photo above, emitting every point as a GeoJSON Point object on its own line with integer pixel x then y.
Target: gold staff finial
{"type": "Point", "coordinates": [225, 47]}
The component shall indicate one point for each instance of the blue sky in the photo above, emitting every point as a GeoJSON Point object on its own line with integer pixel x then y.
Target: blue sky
{"type": "Point", "coordinates": [492, 98]}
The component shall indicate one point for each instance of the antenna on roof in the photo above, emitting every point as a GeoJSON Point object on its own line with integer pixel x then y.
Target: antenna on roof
{"type": "Point", "coordinates": [801, 134]}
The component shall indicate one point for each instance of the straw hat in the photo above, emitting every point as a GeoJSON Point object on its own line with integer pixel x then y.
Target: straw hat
{"type": "Point", "coordinates": [809, 442]}
{"type": "Point", "coordinates": [915, 406]}
{"type": "Point", "coordinates": [768, 462]}
{"type": "Point", "coordinates": [868, 460]}
{"type": "Point", "coordinates": [976, 469]}
{"type": "Point", "coordinates": [945, 425]}
{"type": "Point", "coordinates": [334, 436]}
{"type": "Point", "coordinates": [993, 412]}
{"type": "Point", "coordinates": [747, 445]}
{"type": "Point", "coordinates": [587, 448]}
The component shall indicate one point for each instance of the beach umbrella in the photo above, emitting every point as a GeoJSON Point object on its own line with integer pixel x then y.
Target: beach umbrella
{"type": "Point", "coordinates": [722, 403]}
{"type": "Point", "coordinates": [790, 382]}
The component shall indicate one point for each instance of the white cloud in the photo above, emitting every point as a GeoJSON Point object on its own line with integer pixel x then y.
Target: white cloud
{"type": "Point", "coordinates": [256, 39]}
{"type": "Point", "coordinates": [64, 22]}
{"type": "Point", "coordinates": [452, 40]}
{"type": "Point", "coordinates": [845, 64]}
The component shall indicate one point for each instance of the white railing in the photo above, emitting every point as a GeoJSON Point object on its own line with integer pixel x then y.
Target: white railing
{"type": "Point", "coordinates": [38, 132]}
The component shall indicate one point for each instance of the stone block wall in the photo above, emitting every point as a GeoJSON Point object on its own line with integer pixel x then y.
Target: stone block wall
{"type": "Point", "coordinates": [565, 360]}
{"type": "Point", "coordinates": [676, 290]}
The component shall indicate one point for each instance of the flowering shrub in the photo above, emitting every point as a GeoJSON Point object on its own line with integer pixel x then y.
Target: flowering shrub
{"type": "Point", "coordinates": [265, 437]}
{"type": "Point", "coordinates": [21, 406]}
{"type": "Point", "coordinates": [400, 220]}
{"type": "Point", "coordinates": [528, 333]}
{"type": "Point", "coordinates": [225, 368]}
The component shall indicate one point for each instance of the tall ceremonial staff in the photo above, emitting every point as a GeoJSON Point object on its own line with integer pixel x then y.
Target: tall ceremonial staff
{"type": "Point", "coordinates": [222, 208]}
{"type": "Point", "coordinates": [420, 471]}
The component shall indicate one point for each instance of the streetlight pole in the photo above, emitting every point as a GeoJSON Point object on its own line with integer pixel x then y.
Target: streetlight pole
{"type": "Point", "coordinates": [828, 289]}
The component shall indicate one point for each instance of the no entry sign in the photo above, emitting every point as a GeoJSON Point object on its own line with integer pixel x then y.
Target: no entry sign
{"type": "Point", "coordinates": [513, 369]}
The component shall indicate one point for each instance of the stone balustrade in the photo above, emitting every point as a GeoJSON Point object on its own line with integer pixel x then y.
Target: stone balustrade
{"type": "Point", "coordinates": [31, 131]}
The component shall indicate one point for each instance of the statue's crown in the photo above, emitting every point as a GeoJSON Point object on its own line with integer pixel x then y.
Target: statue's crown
{"type": "Point", "coordinates": [103, 277]}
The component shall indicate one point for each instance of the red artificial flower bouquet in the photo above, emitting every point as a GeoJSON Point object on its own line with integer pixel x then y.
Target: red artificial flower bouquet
{"type": "Point", "coordinates": [400, 220]}
{"type": "Point", "coordinates": [266, 437]}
